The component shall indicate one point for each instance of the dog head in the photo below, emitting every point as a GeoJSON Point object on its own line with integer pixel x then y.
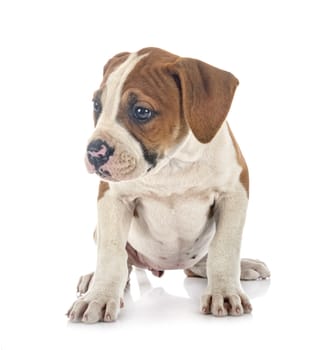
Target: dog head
{"type": "Point", "coordinates": [147, 104]}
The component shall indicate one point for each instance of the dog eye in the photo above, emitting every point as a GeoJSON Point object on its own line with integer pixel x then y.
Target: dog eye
{"type": "Point", "coordinates": [97, 107]}
{"type": "Point", "coordinates": [142, 114]}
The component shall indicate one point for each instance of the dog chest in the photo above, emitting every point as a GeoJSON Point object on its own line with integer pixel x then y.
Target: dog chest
{"type": "Point", "coordinates": [173, 231]}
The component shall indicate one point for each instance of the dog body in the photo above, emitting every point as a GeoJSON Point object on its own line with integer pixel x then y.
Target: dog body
{"type": "Point", "coordinates": [174, 185]}
{"type": "Point", "coordinates": [173, 223]}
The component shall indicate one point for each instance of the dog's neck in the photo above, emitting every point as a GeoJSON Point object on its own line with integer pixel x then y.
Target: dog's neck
{"type": "Point", "coordinates": [191, 151]}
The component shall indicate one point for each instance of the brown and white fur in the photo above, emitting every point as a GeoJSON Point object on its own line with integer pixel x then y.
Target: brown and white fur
{"type": "Point", "coordinates": [174, 184]}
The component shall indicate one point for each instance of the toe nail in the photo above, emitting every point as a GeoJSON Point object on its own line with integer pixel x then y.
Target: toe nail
{"type": "Point", "coordinates": [249, 309]}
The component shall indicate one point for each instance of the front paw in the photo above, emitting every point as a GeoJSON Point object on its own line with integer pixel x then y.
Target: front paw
{"type": "Point", "coordinates": [224, 303]}
{"type": "Point", "coordinates": [95, 306]}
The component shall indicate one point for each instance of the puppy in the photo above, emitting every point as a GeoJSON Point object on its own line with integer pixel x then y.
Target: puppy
{"type": "Point", "coordinates": [174, 184]}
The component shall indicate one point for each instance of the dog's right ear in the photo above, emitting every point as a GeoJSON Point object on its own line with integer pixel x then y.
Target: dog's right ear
{"type": "Point", "coordinates": [114, 62]}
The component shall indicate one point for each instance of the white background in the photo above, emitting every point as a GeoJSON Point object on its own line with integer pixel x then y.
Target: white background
{"type": "Point", "coordinates": [51, 59]}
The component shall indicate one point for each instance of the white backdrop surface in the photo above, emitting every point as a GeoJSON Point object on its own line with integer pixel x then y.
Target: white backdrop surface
{"type": "Point", "coordinates": [51, 60]}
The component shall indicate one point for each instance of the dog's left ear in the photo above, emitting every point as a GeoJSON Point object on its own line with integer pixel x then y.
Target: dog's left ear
{"type": "Point", "coordinates": [206, 92]}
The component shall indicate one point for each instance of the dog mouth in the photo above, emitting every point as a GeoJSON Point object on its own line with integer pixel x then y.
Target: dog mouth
{"type": "Point", "coordinates": [103, 173]}
{"type": "Point", "coordinates": [122, 166]}
{"type": "Point", "coordinates": [104, 170]}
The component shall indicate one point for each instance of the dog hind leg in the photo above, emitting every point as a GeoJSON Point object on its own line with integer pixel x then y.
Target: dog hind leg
{"type": "Point", "coordinates": [253, 270]}
{"type": "Point", "coordinates": [198, 270]}
{"type": "Point", "coordinates": [85, 281]}
{"type": "Point", "coordinates": [249, 270]}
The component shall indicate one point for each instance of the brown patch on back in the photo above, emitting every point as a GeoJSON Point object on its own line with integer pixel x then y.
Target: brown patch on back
{"type": "Point", "coordinates": [103, 187]}
{"type": "Point", "coordinates": [150, 85]}
{"type": "Point", "coordinates": [244, 175]}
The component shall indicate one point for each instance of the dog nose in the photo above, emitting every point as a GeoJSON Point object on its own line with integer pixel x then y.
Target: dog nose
{"type": "Point", "coordinates": [99, 152]}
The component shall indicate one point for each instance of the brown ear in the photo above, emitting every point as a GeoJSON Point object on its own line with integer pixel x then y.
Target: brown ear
{"type": "Point", "coordinates": [207, 93]}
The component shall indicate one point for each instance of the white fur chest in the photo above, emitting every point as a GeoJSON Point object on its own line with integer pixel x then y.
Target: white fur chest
{"type": "Point", "coordinates": [174, 232]}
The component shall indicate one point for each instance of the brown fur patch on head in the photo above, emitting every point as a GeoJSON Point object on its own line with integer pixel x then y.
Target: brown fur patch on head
{"type": "Point", "coordinates": [110, 66]}
{"type": "Point", "coordinates": [151, 86]}
{"type": "Point", "coordinates": [103, 187]}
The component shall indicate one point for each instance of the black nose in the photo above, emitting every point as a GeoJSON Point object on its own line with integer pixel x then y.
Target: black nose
{"type": "Point", "coordinates": [99, 152]}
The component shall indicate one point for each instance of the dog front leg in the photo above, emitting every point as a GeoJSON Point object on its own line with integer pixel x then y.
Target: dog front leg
{"type": "Point", "coordinates": [224, 295]}
{"type": "Point", "coordinates": [103, 300]}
